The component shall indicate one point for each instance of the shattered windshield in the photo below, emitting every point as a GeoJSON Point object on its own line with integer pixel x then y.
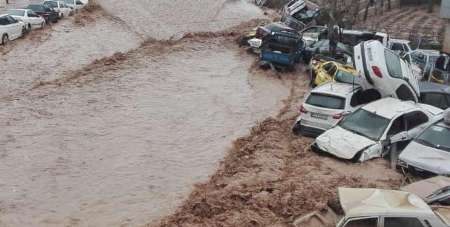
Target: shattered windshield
{"type": "Point", "coordinates": [436, 136]}
{"type": "Point", "coordinates": [365, 123]}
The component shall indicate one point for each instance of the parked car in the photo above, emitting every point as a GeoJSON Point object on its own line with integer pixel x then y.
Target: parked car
{"type": "Point", "coordinates": [434, 94]}
{"type": "Point", "coordinates": [434, 191]}
{"type": "Point", "coordinates": [385, 71]}
{"type": "Point", "coordinates": [367, 207]}
{"type": "Point", "coordinates": [327, 104]}
{"type": "Point", "coordinates": [425, 59]}
{"type": "Point", "coordinates": [75, 4]}
{"type": "Point", "coordinates": [370, 131]}
{"type": "Point", "coordinates": [47, 13]}
{"type": "Point", "coordinates": [326, 71]}
{"type": "Point", "coordinates": [429, 152]}
{"type": "Point", "coordinates": [400, 46]}
{"type": "Point", "coordinates": [10, 28]}
{"type": "Point", "coordinates": [322, 47]}
{"type": "Point", "coordinates": [60, 7]}
{"type": "Point", "coordinates": [283, 49]}
{"type": "Point", "coordinates": [30, 18]}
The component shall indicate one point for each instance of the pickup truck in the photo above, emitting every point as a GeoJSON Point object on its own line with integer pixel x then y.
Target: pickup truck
{"type": "Point", "coordinates": [282, 48]}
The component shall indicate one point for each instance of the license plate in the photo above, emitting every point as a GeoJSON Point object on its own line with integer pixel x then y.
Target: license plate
{"type": "Point", "coordinates": [319, 116]}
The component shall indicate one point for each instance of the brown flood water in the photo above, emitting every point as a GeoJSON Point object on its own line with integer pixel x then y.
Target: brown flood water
{"type": "Point", "coordinates": [126, 148]}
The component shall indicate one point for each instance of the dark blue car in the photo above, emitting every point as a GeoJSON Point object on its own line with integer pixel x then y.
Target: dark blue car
{"type": "Point", "coordinates": [282, 49]}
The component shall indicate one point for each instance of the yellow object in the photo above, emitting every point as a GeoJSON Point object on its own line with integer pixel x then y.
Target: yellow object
{"type": "Point", "coordinates": [326, 71]}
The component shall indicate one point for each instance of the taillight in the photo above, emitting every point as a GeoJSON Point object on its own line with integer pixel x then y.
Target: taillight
{"type": "Point", "coordinates": [377, 71]}
{"type": "Point", "coordinates": [338, 116]}
{"type": "Point", "coordinates": [303, 110]}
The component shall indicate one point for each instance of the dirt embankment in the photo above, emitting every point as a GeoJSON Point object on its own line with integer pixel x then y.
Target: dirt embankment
{"type": "Point", "coordinates": [270, 177]}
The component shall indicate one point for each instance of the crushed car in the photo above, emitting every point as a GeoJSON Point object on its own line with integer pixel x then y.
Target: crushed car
{"type": "Point", "coordinates": [429, 153]}
{"type": "Point", "coordinates": [385, 71]}
{"type": "Point", "coordinates": [326, 105]}
{"type": "Point", "coordinates": [434, 191]}
{"type": "Point", "coordinates": [299, 14]}
{"type": "Point", "coordinates": [371, 130]}
{"type": "Point", "coordinates": [323, 71]}
{"type": "Point", "coordinates": [367, 207]}
{"type": "Point", "coordinates": [281, 49]}
{"type": "Point", "coordinates": [425, 59]}
{"type": "Point", "coordinates": [343, 53]}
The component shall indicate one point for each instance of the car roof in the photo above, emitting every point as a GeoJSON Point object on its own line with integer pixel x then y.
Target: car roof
{"type": "Point", "coordinates": [3, 15]}
{"type": "Point", "coordinates": [369, 201]}
{"type": "Point", "coordinates": [427, 87]}
{"type": "Point", "coordinates": [336, 89]}
{"type": "Point", "coordinates": [390, 107]}
{"type": "Point", "coordinates": [19, 9]}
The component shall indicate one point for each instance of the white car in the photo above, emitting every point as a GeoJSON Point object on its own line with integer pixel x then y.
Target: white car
{"type": "Point", "coordinates": [370, 131]}
{"type": "Point", "coordinates": [325, 106]}
{"type": "Point", "coordinates": [30, 18]}
{"type": "Point", "coordinates": [59, 6]}
{"type": "Point", "coordinates": [385, 71]}
{"type": "Point", "coordinates": [10, 28]}
{"type": "Point", "coordinates": [75, 4]}
{"type": "Point", "coordinates": [429, 152]}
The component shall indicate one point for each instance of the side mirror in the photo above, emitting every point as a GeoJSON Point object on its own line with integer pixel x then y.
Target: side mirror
{"type": "Point", "coordinates": [402, 136]}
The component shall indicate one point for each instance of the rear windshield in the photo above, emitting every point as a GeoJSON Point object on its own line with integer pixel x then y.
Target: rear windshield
{"type": "Point", "coordinates": [393, 64]}
{"type": "Point", "coordinates": [16, 12]}
{"type": "Point", "coordinates": [326, 101]}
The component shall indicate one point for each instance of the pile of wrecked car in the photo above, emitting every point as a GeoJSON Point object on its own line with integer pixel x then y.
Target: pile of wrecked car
{"type": "Point", "coordinates": [371, 96]}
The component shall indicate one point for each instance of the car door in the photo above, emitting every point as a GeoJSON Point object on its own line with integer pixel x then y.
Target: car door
{"type": "Point", "coordinates": [34, 18]}
{"type": "Point", "coordinates": [14, 28]}
{"type": "Point", "coordinates": [362, 222]}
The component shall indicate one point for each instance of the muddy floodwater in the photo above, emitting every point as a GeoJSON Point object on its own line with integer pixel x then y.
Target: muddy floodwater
{"type": "Point", "coordinates": [127, 146]}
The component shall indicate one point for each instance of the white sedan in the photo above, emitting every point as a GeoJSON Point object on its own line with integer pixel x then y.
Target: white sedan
{"type": "Point", "coordinates": [10, 29]}
{"type": "Point", "coordinates": [59, 6]}
{"type": "Point", "coordinates": [30, 18]}
{"type": "Point", "coordinates": [385, 71]}
{"type": "Point", "coordinates": [368, 132]}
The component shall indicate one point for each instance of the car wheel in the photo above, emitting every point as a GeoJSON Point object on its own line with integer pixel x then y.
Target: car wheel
{"type": "Point", "coordinates": [43, 24]}
{"type": "Point", "coordinates": [29, 27]}
{"type": "Point", "coordinates": [297, 129]}
{"type": "Point", "coordinates": [5, 39]}
{"type": "Point", "coordinates": [24, 31]}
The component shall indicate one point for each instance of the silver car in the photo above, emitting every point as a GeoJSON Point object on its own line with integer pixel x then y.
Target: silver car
{"type": "Point", "coordinates": [429, 152]}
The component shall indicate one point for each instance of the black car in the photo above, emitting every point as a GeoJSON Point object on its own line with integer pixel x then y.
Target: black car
{"type": "Point", "coordinates": [48, 14]}
{"type": "Point", "coordinates": [434, 94]}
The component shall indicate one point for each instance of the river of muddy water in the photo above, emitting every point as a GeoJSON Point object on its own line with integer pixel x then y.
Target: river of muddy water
{"type": "Point", "coordinates": [127, 147]}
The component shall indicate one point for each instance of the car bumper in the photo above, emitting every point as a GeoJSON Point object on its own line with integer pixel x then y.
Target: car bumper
{"type": "Point", "coordinates": [308, 131]}
{"type": "Point", "coordinates": [405, 166]}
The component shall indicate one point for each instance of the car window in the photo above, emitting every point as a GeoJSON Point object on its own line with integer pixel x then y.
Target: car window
{"type": "Point", "coordinates": [397, 47]}
{"type": "Point", "coordinates": [365, 222]}
{"type": "Point", "coordinates": [419, 58]}
{"type": "Point", "coordinates": [4, 21]}
{"type": "Point", "coordinates": [404, 93]}
{"type": "Point", "coordinates": [363, 97]}
{"type": "Point", "coordinates": [51, 4]}
{"type": "Point", "coordinates": [415, 119]}
{"type": "Point", "coordinates": [13, 12]}
{"type": "Point", "coordinates": [402, 221]}
{"type": "Point", "coordinates": [345, 77]}
{"type": "Point", "coordinates": [326, 101]}
{"type": "Point", "coordinates": [397, 126]}
{"type": "Point", "coordinates": [393, 64]}
{"type": "Point", "coordinates": [435, 99]}
{"type": "Point", "coordinates": [11, 19]}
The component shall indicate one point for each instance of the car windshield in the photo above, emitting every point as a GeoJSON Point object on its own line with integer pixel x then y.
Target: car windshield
{"type": "Point", "coordinates": [36, 8]}
{"type": "Point", "coordinates": [14, 12]}
{"type": "Point", "coordinates": [436, 136]}
{"type": "Point", "coordinates": [326, 101]}
{"type": "Point", "coordinates": [365, 123]}
{"type": "Point", "coordinates": [69, 1]}
{"type": "Point", "coordinates": [393, 64]}
{"type": "Point", "coordinates": [345, 77]}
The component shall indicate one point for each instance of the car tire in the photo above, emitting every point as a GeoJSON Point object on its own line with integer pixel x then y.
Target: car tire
{"type": "Point", "coordinates": [297, 129]}
{"type": "Point", "coordinates": [5, 39]}
{"type": "Point", "coordinates": [43, 25]}
{"type": "Point", "coordinates": [24, 31]}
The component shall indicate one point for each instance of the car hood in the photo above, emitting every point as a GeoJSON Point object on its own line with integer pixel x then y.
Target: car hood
{"type": "Point", "coordinates": [427, 158]}
{"type": "Point", "coordinates": [425, 188]}
{"type": "Point", "coordinates": [342, 143]}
